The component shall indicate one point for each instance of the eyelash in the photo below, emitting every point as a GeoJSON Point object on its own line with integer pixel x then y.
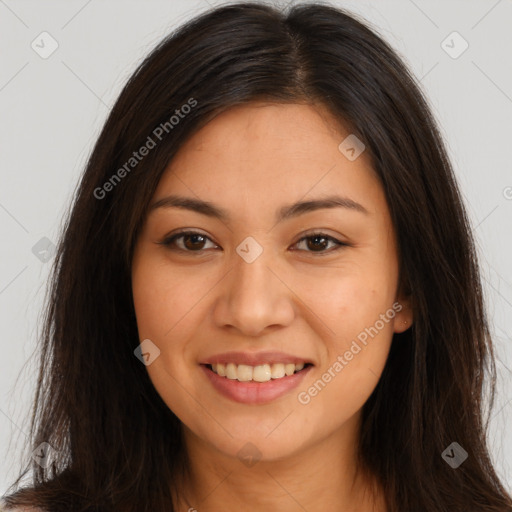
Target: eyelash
{"type": "Point", "coordinates": [169, 241]}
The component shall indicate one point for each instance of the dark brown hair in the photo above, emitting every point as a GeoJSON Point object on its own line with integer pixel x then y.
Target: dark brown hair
{"type": "Point", "coordinates": [117, 444]}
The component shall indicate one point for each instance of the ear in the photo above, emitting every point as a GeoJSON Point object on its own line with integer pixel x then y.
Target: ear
{"type": "Point", "coordinates": [403, 307]}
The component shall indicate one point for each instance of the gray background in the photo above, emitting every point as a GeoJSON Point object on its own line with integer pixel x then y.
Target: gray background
{"type": "Point", "coordinates": [51, 111]}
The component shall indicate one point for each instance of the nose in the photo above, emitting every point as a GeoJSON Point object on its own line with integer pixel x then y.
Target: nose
{"type": "Point", "coordinates": [253, 297]}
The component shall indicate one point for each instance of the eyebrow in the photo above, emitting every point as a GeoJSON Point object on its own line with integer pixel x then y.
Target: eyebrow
{"type": "Point", "coordinates": [286, 212]}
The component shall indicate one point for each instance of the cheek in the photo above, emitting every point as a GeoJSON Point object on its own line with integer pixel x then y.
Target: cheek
{"type": "Point", "coordinates": [348, 299]}
{"type": "Point", "coordinates": [351, 369]}
{"type": "Point", "coordinates": [163, 299]}
{"type": "Point", "coordinates": [164, 306]}
{"type": "Point", "coordinates": [362, 323]}
{"type": "Point", "coordinates": [357, 307]}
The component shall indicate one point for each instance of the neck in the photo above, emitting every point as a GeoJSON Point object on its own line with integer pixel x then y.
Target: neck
{"type": "Point", "coordinates": [313, 478]}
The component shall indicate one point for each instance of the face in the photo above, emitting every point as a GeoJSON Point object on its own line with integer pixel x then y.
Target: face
{"type": "Point", "coordinates": [257, 286]}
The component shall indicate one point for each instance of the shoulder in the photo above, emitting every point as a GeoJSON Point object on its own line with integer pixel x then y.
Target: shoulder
{"type": "Point", "coordinates": [4, 508]}
{"type": "Point", "coordinates": [21, 509]}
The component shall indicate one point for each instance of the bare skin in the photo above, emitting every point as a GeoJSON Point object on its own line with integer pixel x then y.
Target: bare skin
{"type": "Point", "coordinates": [305, 297]}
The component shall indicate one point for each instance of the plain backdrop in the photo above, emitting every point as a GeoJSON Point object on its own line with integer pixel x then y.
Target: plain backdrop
{"type": "Point", "coordinates": [51, 111]}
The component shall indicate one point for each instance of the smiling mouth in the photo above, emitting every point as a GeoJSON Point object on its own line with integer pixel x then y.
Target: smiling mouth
{"type": "Point", "coordinates": [260, 373]}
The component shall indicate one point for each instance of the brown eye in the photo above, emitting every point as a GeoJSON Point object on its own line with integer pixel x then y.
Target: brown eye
{"type": "Point", "coordinates": [190, 241]}
{"type": "Point", "coordinates": [318, 242]}
{"type": "Point", "coordinates": [193, 242]}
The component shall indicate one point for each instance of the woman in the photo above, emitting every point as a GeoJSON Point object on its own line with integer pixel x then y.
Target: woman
{"type": "Point", "coordinates": [266, 294]}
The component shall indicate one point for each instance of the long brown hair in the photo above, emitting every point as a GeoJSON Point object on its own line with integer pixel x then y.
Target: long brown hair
{"type": "Point", "coordinates": [116, 445]}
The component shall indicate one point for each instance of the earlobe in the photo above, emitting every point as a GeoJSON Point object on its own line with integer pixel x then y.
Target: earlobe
{"type": "Point", "coordinates": [404, 318]}
{"type": "Point", "coordinates": [401, 326]}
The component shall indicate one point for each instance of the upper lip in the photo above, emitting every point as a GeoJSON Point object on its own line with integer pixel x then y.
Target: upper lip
{"type": "Point", "coordinates": [254, 359]}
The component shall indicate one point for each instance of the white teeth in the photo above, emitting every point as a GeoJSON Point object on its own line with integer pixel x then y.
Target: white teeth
{"type": "Point", "coordinates": [260, 373]}
{"type": "Point", "coordinates": [289, 369]}
{"type": "Point", "coordinates": [245, 373]}
{"type": "Point", "coordinates": [277, 371]}
{"type": "Point", "coordinates": [231, 372]}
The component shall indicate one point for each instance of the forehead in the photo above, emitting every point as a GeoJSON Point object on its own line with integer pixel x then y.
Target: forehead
{"type": "Point", "coordinates": [267, 153]}
{"type": "Point", "coordinates": [291, 131]}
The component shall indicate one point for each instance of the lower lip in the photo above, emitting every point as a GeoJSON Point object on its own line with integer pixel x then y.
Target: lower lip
{"type": "Point", "coordinates": [254, 392]}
